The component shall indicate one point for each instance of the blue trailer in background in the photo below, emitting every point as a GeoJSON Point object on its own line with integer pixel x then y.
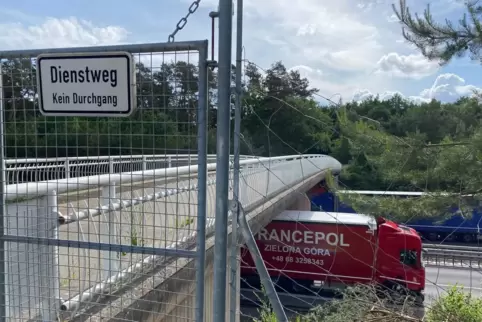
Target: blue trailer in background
{"type": "Point", "coordinates": [456, 228]}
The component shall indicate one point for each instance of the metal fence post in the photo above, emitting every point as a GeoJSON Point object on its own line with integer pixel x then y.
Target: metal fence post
{"type": "Point", "coordinates": [236, 169]}
{"type": "Point", "coordinates": [4, 314]}
{"type": "Point", "coordinates": [260, 266]}
{"type": "Point", "coordinates": [109, 233]}
{"type": "Point", "coordinates": [222, 168]}
{"type": "Point", "coordinates": [202, 182]}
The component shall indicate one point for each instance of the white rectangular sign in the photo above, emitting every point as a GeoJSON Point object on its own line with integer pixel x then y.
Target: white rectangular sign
{"type": "Point", "coordinates": [86, 84]}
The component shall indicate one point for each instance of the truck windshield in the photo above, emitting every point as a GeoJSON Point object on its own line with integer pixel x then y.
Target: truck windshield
{"type": "Point", "coordinates": [408, 257]}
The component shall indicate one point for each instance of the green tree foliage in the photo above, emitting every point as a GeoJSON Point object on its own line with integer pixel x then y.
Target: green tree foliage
{"type": "Point", "coordinates": [280, 115]}
{"type": "Point", "coordinates": [391, 144]}
{"type": "Point", "coordinates": [430, 147]}
{"type": "Point", "coordinates": [409, 152]}
{"type": "Point", "coordinates": [443, 41]}
{"type": "Point", "coordinates": [165, 120]}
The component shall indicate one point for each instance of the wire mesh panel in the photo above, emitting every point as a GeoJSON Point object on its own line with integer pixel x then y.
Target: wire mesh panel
{"type": "Point", "coordinates": [98, 209]}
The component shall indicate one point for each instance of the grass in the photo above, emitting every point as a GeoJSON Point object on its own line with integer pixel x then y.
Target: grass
{"type": "Point", "coordinates": [180, 223]}
{"type": "Point", "coordinates": [136, 224]}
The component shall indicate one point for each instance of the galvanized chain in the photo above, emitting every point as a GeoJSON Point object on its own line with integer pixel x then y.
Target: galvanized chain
{"type": "Point", "coordinates": [183, 21]}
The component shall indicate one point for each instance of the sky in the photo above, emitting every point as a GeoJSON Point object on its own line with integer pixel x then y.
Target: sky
{"type": "Point", "coordinates": [346, 48]}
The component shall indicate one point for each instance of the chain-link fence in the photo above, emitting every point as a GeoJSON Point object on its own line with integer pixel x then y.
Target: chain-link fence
{"type": "Point", "coordinates": [73, 245]}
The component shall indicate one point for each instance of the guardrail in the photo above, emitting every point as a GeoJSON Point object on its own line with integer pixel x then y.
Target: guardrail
{"type": "Point", "coordinates": [453, 255]}
{"type": "Point", "coordinates": [452, 247]}
{"type": "Point", "coordinates": [33, 169]}
{"type": "Point", "coordinates": [260, 180]}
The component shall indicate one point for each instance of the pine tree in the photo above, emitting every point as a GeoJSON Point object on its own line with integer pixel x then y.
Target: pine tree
{"type": "Point", "coordinates": [443, 41]}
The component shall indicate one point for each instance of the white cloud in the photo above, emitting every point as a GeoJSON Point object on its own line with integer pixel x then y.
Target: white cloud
{"type": "Point", "coordinates": [447, 87]}
{"type": "Point", "coordinates": [330, 36]}
{"type": "Point", "coordinates": [336, 45]}
{"type": "Point", "coordinates": [306, 71]}
{"type": "Point", "coordinates": [349, 40]}
{"type": "Point", "coordinates": [367, 5]}
{"type": "Point", "coordinates": [392, 18]}
{"type": "Point", "coordinates": [317, 33]}
{"type": "Point", "coordinates": [407, 66]}
{"type": "Point", "coordinates": [72, 32]}
{"type": "Point", "coordinates": [357, 44]}
{"type": "Point", "coordinates": [55, 33]}
{"type": "Point", "coordinates": [364, 94]}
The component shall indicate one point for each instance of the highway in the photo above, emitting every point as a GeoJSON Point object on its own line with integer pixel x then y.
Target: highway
{"type": "Point", "coordinates": [438, 279]}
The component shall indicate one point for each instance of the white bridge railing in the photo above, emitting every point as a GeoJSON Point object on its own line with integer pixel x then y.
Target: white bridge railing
{"type": "Point", "coordinates": [38, 169]}
{"type": "Point", "coordinates": [38, 245]}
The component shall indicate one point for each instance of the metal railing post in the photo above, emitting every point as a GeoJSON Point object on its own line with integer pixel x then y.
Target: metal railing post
{"type": "Point", "coordinates": [144, 163]}
{"type": "Point", "coordinates": [67, 168]}
{"type": "Point", "coordinates": [48, 259]}
{"type": "Point", "coordinates": [111, 165]}
{"type": "Point", "coordinates": [109, 232]}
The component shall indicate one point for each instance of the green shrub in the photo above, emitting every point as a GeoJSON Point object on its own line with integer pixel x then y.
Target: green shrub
{"type": "Point", "coordinates": [455, 306]}
{"type": "Point", "coordinates": [360, 304]}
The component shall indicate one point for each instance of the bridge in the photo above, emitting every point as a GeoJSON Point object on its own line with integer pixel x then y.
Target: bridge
{"type": "Point", "coordinates": [117, 237]}
{"type": "Point", "coordinates": [131, 238]}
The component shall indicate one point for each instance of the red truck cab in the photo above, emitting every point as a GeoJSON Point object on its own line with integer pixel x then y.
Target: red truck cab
{"type": "Point", "coordinates": [331, 250]}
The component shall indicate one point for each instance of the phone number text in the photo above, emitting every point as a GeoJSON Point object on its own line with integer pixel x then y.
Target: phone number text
{"type": "Point", "coordinates": [297, 260]}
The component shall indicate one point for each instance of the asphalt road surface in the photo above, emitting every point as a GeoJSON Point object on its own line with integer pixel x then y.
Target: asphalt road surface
{"type": "Point", "coordinates": [439, 279]}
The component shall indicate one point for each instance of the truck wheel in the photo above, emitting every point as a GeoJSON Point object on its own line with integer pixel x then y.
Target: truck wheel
{"type": "Point", "coordinates": [301, 286]}
{"type": "Point", "coordinates": [419, 298]}
{"type": "Point", "coordinates": [398, 292]}
{"type": "Point", "coordinates": [399, 287]}
{"type": "Point", "coordinates": [450, 238]}
{"type": "Point", "coordinates": [383, 290]}
{"type": "Point", "coordinates": [467, 238]}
